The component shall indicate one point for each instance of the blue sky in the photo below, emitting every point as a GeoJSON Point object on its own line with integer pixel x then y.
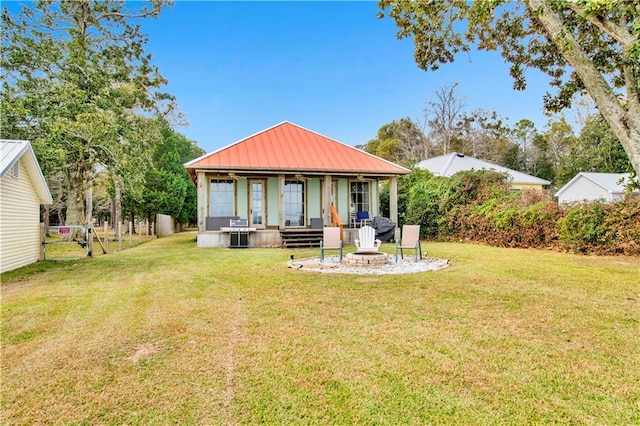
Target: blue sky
{"type": "Point", "coordinates": [237, 68]}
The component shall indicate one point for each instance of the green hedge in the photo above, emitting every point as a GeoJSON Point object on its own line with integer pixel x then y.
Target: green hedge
{"type": "Point", "coordinates": [481, 207]}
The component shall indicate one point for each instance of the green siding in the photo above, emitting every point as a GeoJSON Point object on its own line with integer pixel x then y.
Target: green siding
{"type": "Point", "coordinates": [272, 201]}
{"type": "Point", "coordinates": [314, 197]}
{"type": "Point", "coordinates": [343, 200]}
{"type": "Point", "coordinates": [242, 202]}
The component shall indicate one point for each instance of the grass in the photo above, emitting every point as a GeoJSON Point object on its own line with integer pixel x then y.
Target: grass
{"type": "Point", "coordinates": [167, 333]}
{"type": "Point", "coordinates": [58, 249]}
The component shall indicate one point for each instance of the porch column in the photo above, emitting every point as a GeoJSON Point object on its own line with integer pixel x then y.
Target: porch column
{"type": "Point", "coordinates": [281, 223]}
{"type": "Point", "coordinates": [326, 200]}
{"type": "Point", "coordinates": [393, 204]}
{"type": "Point", "coordinates": [203, 200]}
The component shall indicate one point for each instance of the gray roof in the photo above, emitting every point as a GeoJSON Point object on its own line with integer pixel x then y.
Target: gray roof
{"type": "Point", "coordinates": [450, 164]}
{"type": "Point", "coordinates": [11, 151]}
{"type": "Point", "coordinates": [607, 181]}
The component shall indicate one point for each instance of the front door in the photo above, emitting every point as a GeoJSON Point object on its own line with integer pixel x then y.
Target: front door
{"type": "Point", "coordinates": [294, 202]}
{"type": "Point", "coordinates": [256, 203]}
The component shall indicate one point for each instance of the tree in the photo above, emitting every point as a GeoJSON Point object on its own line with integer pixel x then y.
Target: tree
{"type": "Point", "coordinates": [444, 117]}
{"type": "Point", "coordinates": [482, 135]}
{"type": "Point", "coordinates": [596, 149]}
{"type": "Point", "coordinates": [553, 147]}
{"type": "Point", "coordinates": [524, 135]}
{"type": "Point", "coordinates": [77, 82]}
{"type": "Point", "coordinates": [405, 183]}
{"type": "Point", "coordinates": [168, 188]}
{"type": "Point", "coordinates": [598, 40]}
{"type": "Point", "coordinates": [401, 141]}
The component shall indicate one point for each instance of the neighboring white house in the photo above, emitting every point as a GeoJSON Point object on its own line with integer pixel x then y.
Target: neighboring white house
{"type": "Point", "coordinates": [22, 190]}
{"type": "Point", "coordinates": [450, 164]}
{"type": "Point", "coordinates": [588, 186]}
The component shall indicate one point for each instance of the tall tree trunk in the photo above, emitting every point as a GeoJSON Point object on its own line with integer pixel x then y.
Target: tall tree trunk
{"type": "Point", "coordinates": [75, 207]}
{"type": "Point", "coordinates": [89, 220]}
{"type": "Point", "coordinates": [117, 207]}
{"type": "Point", "coordinates": [75, 210]}
{"type": "Point", "coordinates": [625, 123]}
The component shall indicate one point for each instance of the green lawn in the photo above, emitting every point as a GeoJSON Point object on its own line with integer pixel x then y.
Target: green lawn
{"type": "Point", "coordinates": [166, 333]}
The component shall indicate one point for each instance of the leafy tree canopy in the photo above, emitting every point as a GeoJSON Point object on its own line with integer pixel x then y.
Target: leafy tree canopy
{"type": "Point", "coordinates": [168, 188]}
{"type": "Point", "coordinates": [583, 45]}
{"type": "Point", "coordinates": [401, 141]}
{"type": "Point", "coordinates": [77, 82]}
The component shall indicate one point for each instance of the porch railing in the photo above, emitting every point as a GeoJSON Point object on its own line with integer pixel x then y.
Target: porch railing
{"type": "Point", "coordinates": [335, 220]}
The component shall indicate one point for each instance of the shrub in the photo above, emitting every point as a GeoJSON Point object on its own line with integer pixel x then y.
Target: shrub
{"type": "Point", "coordinates": [581, 229]}
{"type": "Point", "coordinates": [602, 228]}
{"type": "Point", "coordinates": [623, 227]}
{"type": "Point", "coordinates": [480, 206]}
{"type": "Point", "coordinates": [424, 206]}
{"type": "Point", "coordinates": [515, 220]}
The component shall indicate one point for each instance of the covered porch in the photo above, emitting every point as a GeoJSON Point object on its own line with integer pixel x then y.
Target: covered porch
{"type": "Point", "coordinates": [274, 195]}
{"type": "Point", "coordinates": [276, 210]}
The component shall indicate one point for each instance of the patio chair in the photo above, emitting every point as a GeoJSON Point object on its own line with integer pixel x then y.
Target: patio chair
{"type": "Point", "coordinates": [367, 243]}
{"type": "Point", "coordinates": [410, 240]}
{"type": "Point", "coordinates": [360, 219]}
{"type": "Point", "coordinates": [330, 241]}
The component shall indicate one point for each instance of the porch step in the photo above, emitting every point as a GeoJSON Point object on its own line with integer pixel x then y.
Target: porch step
{"type": "Point", "coordinates": [292, 238]}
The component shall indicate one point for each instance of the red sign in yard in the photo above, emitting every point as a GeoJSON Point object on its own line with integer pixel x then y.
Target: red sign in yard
{"type": "Point", "coordinates": [64, 230]}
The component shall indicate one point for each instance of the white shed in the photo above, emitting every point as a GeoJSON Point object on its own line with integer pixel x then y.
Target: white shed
{"type": "Point", "coordinates": [588, 186]}
{"type": "Point", "coordinates": [22, 190]}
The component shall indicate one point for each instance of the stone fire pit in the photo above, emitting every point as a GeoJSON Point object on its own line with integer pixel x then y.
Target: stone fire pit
{"type": "Point", "coordinates": [366, 259]}
{"type": "Point", "coordinates": [386, 264]}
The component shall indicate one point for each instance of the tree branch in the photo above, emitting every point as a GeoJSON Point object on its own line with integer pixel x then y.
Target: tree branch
{"type": "Point", "coordinates": [618, 32]}
{"type": "Point", "coordinates": [109, 15]}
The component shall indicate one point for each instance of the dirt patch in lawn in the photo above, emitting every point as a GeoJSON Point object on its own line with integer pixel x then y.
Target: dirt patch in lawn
{"type": "Point", "coordinates": [144, 350]}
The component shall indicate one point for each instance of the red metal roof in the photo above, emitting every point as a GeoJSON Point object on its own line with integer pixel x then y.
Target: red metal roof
{"type": "Point", "coordinates": [287, 147]}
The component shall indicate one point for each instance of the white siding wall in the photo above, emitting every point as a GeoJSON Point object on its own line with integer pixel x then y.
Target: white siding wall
{"type": "Point", "coordinates": [19, 221]}
{"type": "Point", "coordinates": [582, 189]}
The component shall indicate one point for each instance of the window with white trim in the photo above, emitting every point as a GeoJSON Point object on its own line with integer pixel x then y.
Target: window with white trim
{"type": "Point", "coordinates": [221, 197]}
{"type": "Point", "coordinates": [360, 193]}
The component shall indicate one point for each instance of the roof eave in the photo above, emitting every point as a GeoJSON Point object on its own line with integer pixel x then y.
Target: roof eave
{"type": "Point", "coordinates": [34, 170]}
{"type": "Point", "coordinates": [192, 171]}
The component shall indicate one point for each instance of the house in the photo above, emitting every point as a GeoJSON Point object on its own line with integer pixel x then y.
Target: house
{"type": "Point", "coordinates": [22, 190]}
{"type": "Point", "coordinates": [287, 178]}
{"type": "Point", "coordinates": [450, 164]}
{"type": "Point", "coordinates": [588, 186]}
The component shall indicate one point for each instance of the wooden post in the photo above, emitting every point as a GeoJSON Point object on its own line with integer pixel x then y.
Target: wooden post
{"type": "Point", "coordinates": [281, 216]}
{"type": "Point", "coordinates": [130, 234]}
{"type": "Point", "coordinates": [105, 229]}
{"type": "Point", "coordinates": [326, 200]}
{"type": "Point", "coordinates": [153, 230]}
{"type": "Point", "coordinates": [203, 198]}
{"type": "Point", "coordinates": [393, 205]}
{"type": "Point", "coordinates": [42, 241]}
{"type": "Point", "coordinates": [119, 235]}
{"type": "Point", "coordinates": [100, 242]}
